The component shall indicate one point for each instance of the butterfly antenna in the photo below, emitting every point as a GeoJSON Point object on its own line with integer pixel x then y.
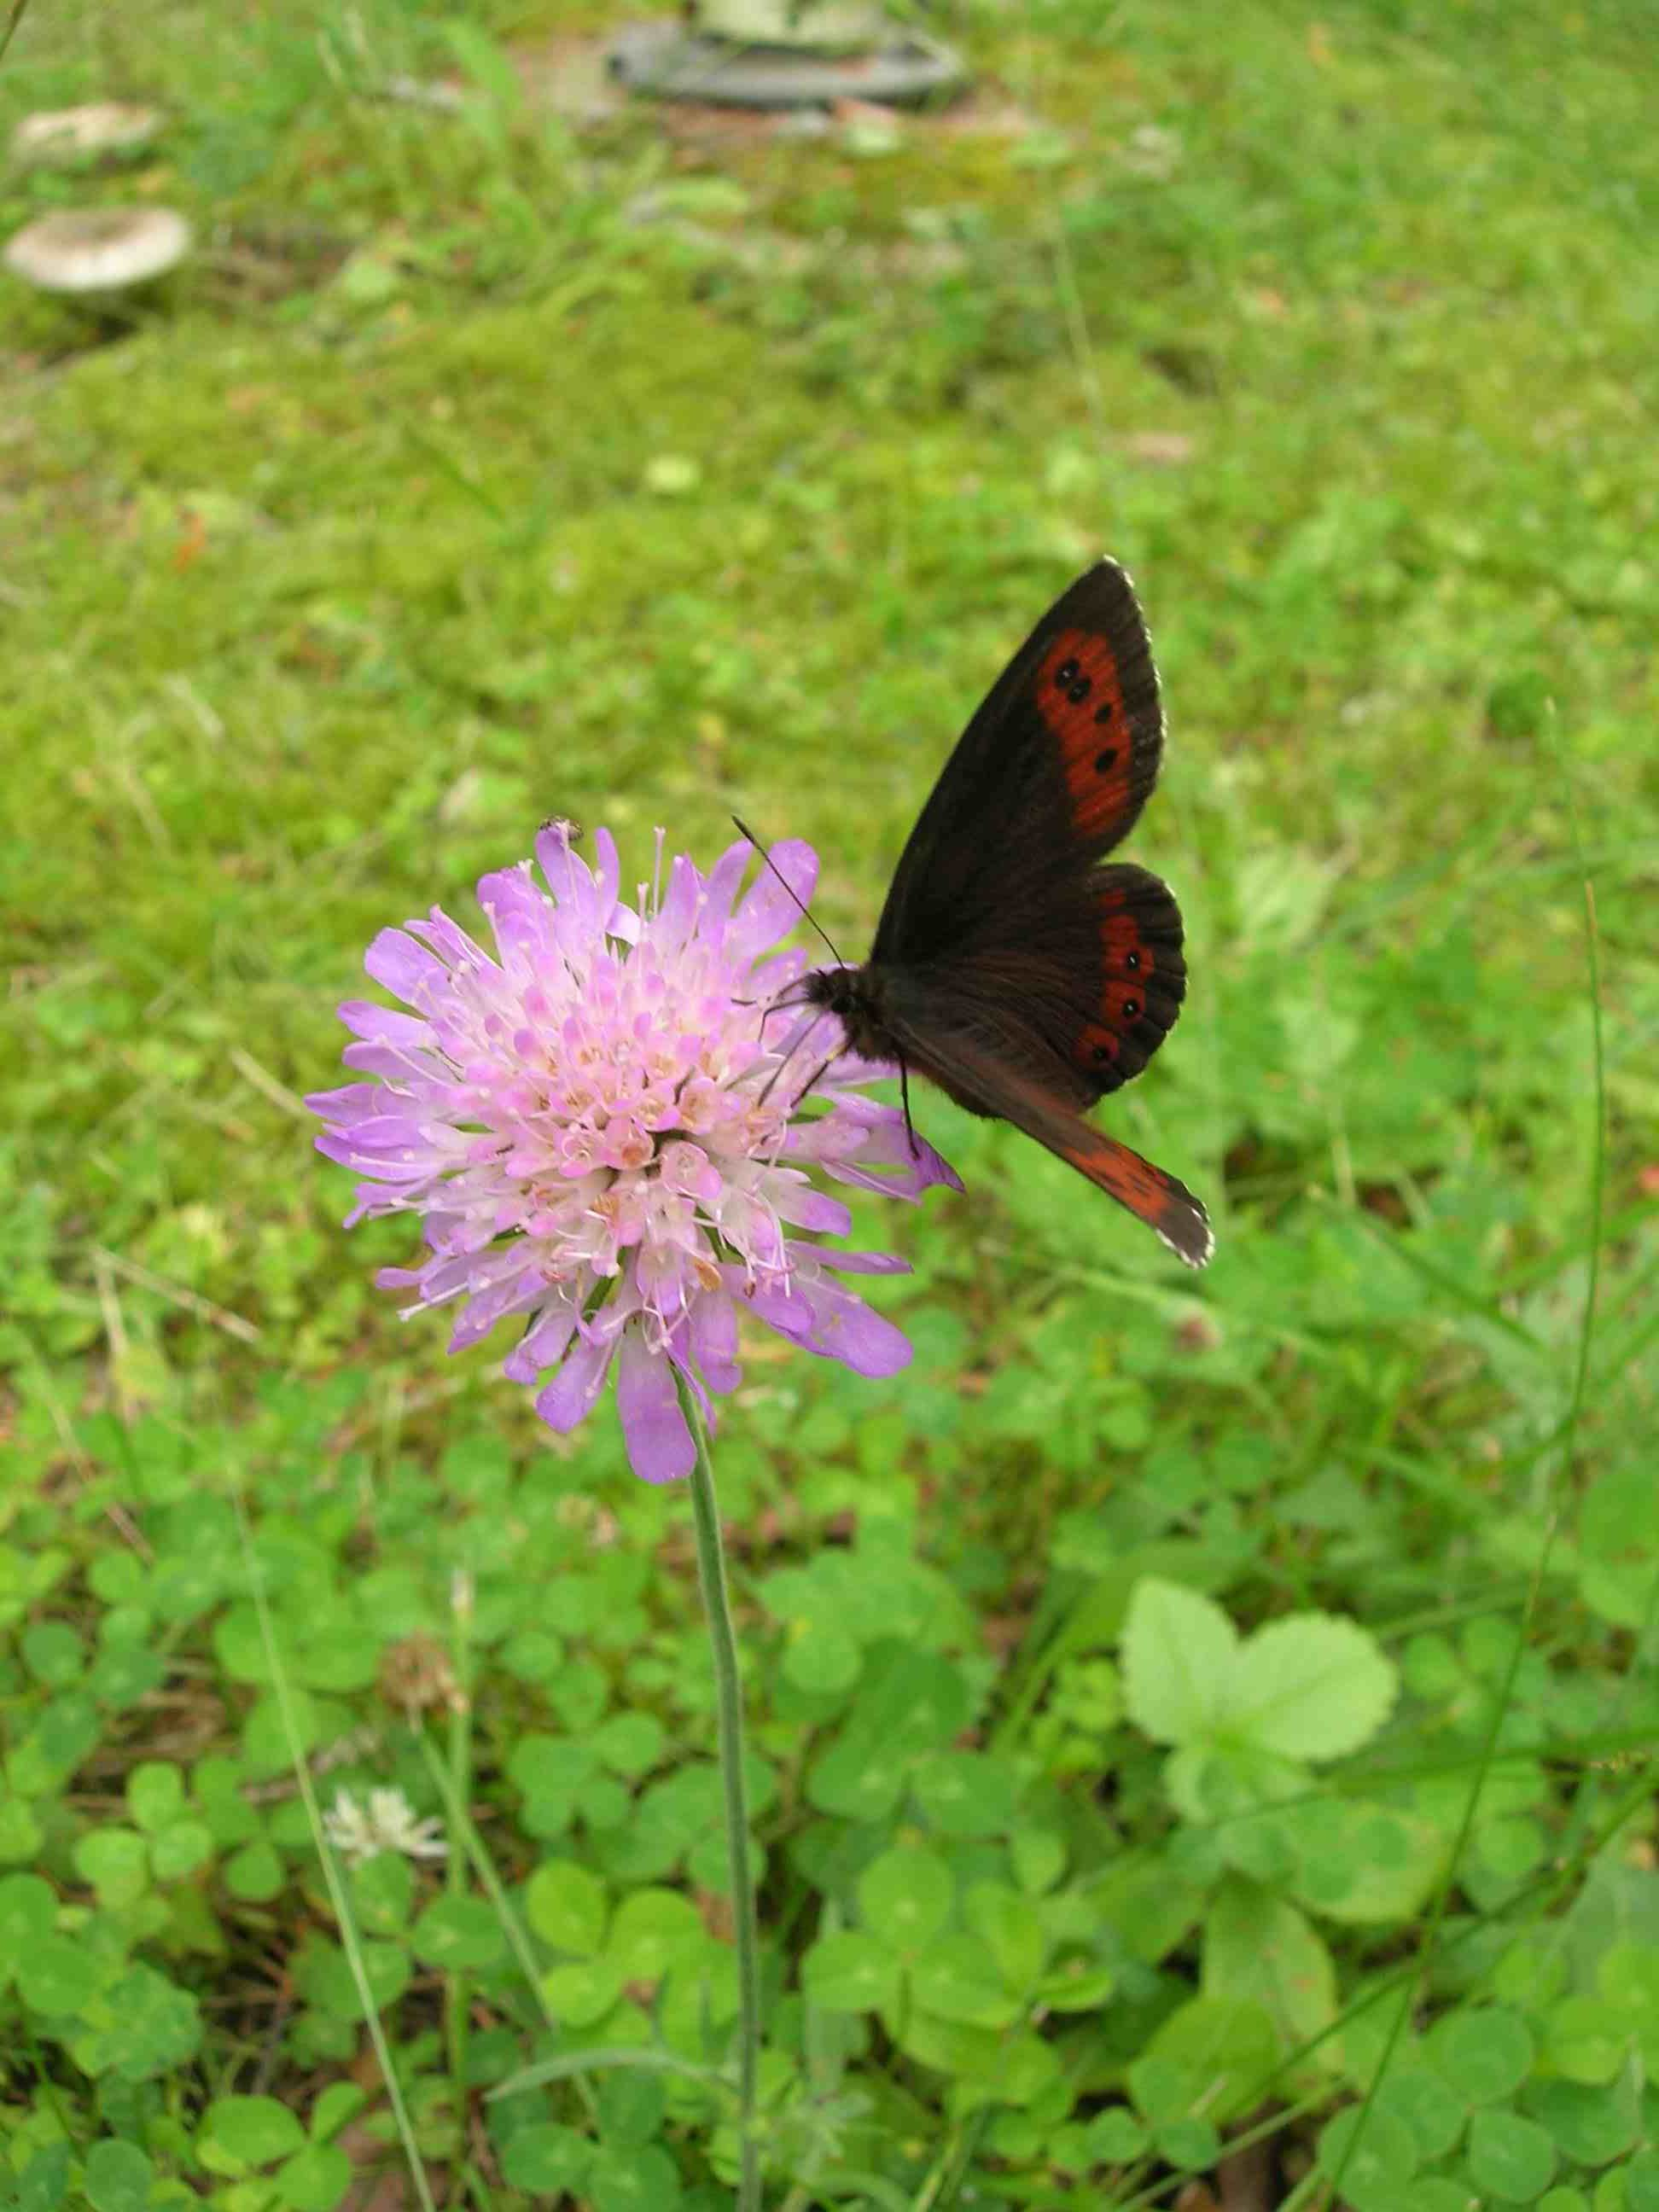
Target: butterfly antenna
{"type": "Point", "coordinates": [744, 830]}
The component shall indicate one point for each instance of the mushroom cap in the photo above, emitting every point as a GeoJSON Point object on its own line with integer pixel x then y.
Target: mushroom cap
{"type": "Point", "coordinates": [98, 249]}
{"type": "Point", "coordinates": [103, 127]}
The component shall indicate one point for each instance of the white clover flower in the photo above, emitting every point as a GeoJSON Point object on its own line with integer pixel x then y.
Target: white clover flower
{"type": "Point", "coordinates": [388, 1823]}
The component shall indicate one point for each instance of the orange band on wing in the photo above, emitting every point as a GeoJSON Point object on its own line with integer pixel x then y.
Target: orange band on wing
{"type": "Point", "coordinates": [1081, 700]}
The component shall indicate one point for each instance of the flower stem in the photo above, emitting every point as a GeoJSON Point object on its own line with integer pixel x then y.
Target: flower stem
{"type": "Point", "coordinates": [711, 1574]}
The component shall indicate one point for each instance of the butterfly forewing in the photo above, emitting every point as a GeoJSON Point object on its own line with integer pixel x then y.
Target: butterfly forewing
{"type": "Point", "coordinates": [1051, 772]}
{"type": "Point", "coordinates": [989, 1082]}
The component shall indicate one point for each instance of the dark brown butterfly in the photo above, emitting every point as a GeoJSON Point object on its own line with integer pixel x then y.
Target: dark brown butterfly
{"type": "Point", "coordinates": [1022, 977]}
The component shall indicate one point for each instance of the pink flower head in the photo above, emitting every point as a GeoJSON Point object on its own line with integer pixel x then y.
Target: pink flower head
{"type": "Point", "coordinates": [606, 1136]}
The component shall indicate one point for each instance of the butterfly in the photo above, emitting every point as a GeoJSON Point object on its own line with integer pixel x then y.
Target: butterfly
{"type": "Point", "coordinates": [1009, 967]}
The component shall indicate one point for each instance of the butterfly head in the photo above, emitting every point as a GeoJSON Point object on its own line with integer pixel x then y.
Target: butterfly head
{"type": "Point", "coordinates": [854, 996]}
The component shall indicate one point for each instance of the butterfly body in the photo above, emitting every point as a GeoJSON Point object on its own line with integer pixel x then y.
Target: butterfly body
{"type": "Point", "coordinates": [1009, 967]}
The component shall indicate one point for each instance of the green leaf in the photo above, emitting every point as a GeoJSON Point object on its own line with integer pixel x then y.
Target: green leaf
{"type": "Point", "coordinates": [1483, 2052]}
{"type": "Point", "coordinates": [566, 1906]}
{"type": "Point", "coordinates": [53, 1653]}
{"type": "Point", "coordinates": [631, 2101]}
{"type": "Point", "coordinates": [1369, 2151]}
{"type": "Point", "coordinates": [1115, 2137]}
{"type": "Point", "coordinates": [122, 1674]}
{"type": "Point", "coordinates": [255, 1872]}
{"type": "Point", "coordinates": [1311, 1686]}
{"type": "Point", "coordinates": [265, 1745]}
{"type": "Point", "coordinates": [43, 2185]}
{"type": "Point", "coordinates": [1190, 2145]}
{"type": "Point", "coordinates": [1360, 1863]}
{"type": "Point", "coordinates": [547, 2160]}
{"type": "Point", "coordinates": [671, 1819]}
{"type": "Point", "coordinates": [253, 2130]}
{"type": "Point", "coordinates": [1510, 2157]}
{"type": "Point", "coordinates": [1642, 2182]}
{"type": "Point", "coordinates": [1435, 2116]}
{"type": "Point", "coordinates": [1627, 1975]}
{"type": "Point", "coordinates": [1039, 1857]}
{"type": "Point", "coordinates": [383, 1893]}
{"type": "Point", "coordinates": [1220, 1785]}
{"type": "Point", "coordinates": [1585, 2040]}
{"type": "Point", "coordinates": [1258, 1949]}
{"type": "Point", "coordinates": [153, 2026]}
{"type": "Point", "coordinates": [20, 1834]}
{"type": "Point", "coordinates": [340, 2102]}
{"type": "Point", "coordinates": [1009, 1924]}
{"type": "Point", "coordinates": [850, 1971]}
{"type": "Point", "coordinates": [908, 1702]}
{"type": "Point", "coordinates": [28, 1913]}
{"type": "Point", "coordinates": [966, 1793]}
{"type": "Point", "coordinates": [956, 1978]}
{"type": "Point", "coordinates": [315, 2179]}
{"type": "Point", "coordinates": [1430, 2192]}
{"type": "Point", "coordinates": [1210, 2054]}
{"type": "Point", "coordinates": [156, 1793]}
{"type": "Point", "coordinates": [905, 1897]}
{"type": "Point", "coordinates": [118, 2178]}
{"type": "Point", "coordinates": [57, 1975]}
{"type": "Point", "coordinates": [116, 1862]}
{"type": "Point", "coordinates": [1590, 2124]}
{"type": "Point", "coordinates": [655, 1932]}
{"type": "Point", "coordinates": [216, 1785]}
{"type": "Point", "coordinates": [1148, 1906]}
{"type": "Point", "coordinates": [179, 1849]}
{"type": "Point", "coordinates": [629, 1743]}
{"type": "Point", "coordinates": [460, 1934]}
{"type": "Point", "coordinates": [633, 2180]}
{"type": "Point", "coordinates": [820, 1657]}
{"type": "Point", "coordinates": [325, 1977]}
{"type": "Point", "coordinates": [582, 1993]}
{"type": "Point", "coordinates": [341, 1656]}
{"type": "Point", "coordinates": [1179, 1653]}
{"type": "Point", "coordinates": [534, 1655]}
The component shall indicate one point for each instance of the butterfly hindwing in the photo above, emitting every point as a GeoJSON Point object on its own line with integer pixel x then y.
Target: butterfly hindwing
{"type": "Point", "coordinates": [1140, 980]}
{"type": "Point", "coordinates": [1079, 997]}
{"type": "Point", "coordinates": [1050, 773]}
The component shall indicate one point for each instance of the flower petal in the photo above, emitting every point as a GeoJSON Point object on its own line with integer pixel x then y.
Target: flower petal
{"type": "Point", "coordinates": [543, 1342]}
{"type": "Point", "coordinates": [713, 1341]}
{"type": "Point", "coordinates": [519, 915]}
{"type": "Point", "coordinates": [402, 965]}
{"type": "Point", "coordinates": [569, 1398]}
{"type": "Point", "coordinates": [769, 912]}
{"type": "Point", "coordinates": [654, 1428]}
{"type": "Point", "coordinates": [383, 1024]}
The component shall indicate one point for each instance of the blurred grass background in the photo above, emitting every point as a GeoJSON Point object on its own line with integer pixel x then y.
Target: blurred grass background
{"type": "Point", "coordinates": [495, 464]}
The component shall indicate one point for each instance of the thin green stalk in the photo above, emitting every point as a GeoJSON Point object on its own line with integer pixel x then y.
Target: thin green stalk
{"type": "Point", "coordinates": [711, 1574]}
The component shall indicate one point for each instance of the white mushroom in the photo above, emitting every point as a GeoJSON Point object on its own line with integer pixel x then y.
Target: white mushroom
{"type": "Point", "coordinates": [64, 134]}
{"type": "Point", "coordinates": [98, 249]}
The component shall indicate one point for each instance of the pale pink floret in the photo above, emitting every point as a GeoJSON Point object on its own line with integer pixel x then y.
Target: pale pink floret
{"type": "Point", "coordinates": [588, 1124]}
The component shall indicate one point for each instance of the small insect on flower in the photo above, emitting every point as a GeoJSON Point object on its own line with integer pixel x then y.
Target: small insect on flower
{"type": "Point", "coordinates": [387, 1824]}
{"type": "Point", "coordinates": [607, 1134]}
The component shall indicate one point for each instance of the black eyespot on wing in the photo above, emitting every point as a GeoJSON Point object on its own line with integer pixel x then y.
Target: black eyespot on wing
{"type": "Point", "coordinates": [1137, 932]}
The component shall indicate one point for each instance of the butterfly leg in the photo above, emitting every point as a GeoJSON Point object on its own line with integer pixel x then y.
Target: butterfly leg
{"type": "Point", "coordinates": [771, 1080]}
{"type": "Point", "coordinates": [904, 1098]}
{"type": "Point", "coordinates": [812, 1078]}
